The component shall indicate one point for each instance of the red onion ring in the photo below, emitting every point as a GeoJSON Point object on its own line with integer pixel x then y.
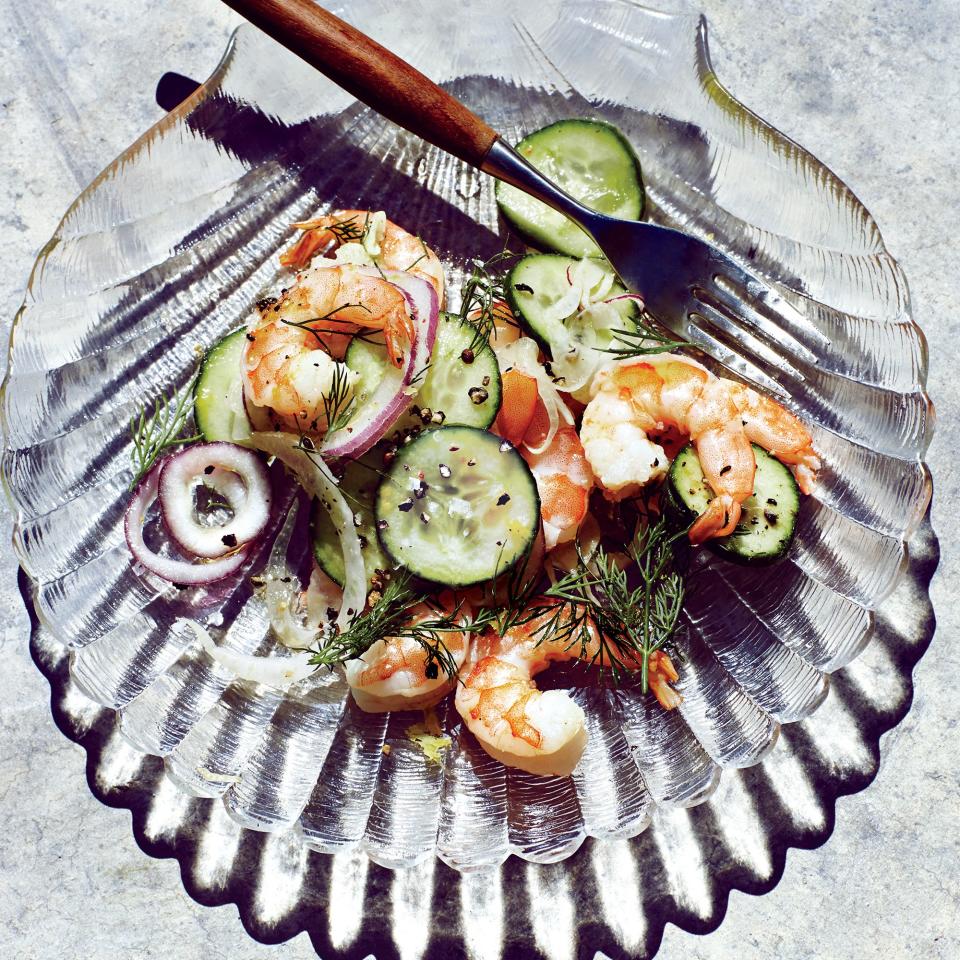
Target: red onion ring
{"type": "Point", "coordinates": [227, 484]}
{"type": "Point", "coordinates": [393, 394]}
{"type": "Point", "coordinates": [176, 571]}
{"type": "Point", "coordinates": [237, 474]}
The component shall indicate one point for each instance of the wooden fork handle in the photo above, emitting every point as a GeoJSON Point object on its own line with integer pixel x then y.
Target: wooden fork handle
{"type": "Point", "coordinates": [372, 74]}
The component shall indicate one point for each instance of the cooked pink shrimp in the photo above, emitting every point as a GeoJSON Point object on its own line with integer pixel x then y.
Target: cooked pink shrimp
{"type": "Point", "coordinates": [564, 481]}
{"type": "Point", "coordinates": [388, 246]}
{"type": "Point", "coordinates": [392, 673]}
{"type": "Point", "coordinates": [542, 732]}
{"type": "Point", "coordinates": [634, 398]}
{"type": "Point", "coordinates": [769, 426]}
{"type": "Point", "coordinates": [289, 361]}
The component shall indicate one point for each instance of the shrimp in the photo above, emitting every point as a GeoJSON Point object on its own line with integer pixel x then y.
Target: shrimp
{"type": "Point", "coordinates": [542, 732]}
{"type": "Point", "coordinates": [392, 674]}
{"type": "Point", "coordinates": [660, 674]}
{"type": "Point", "coordinates": [372, 239]}
{"type": "Point", "coordinates": [290, 361]}
{"type": "Point", "coordinates": [634, 398]}
{"type": "Point", "coordinates": [564, 481]}
{"type": "Point", "coordinates": [769, 426]}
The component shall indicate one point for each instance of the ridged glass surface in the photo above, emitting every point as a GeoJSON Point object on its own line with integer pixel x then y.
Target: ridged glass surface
{"type": "Point", "coordinates": [168, 249]}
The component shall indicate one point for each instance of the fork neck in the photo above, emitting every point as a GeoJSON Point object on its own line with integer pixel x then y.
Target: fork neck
{"type": "Point", "coordinates": [504, 163]}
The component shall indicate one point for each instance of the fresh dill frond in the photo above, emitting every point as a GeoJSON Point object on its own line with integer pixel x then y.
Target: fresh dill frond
{"type": "Point", "coordinates": [507, 600]}
{"type": "Point", "coordinates": [348, 230]}
{"type": "Point", "coordinates": [429, 633]}
{"type": "Point", "coordinates": [642, 341]}
{"type": "Point", "coordinates": [393, 615]}
{"type": "Point", "coordinates": [420, 374]}
{"type": "Point", "coordinates": [634, 610]}
{"type": "Point", "coordinates": [339, 402]}
{"type": "Point", "coordinates": [389, 614]}
{"type": "Point", "coordinates": [308, 325]}
{"type": "Point", "coordinates": [480, 295]}
{"type": "Point", "coordinates": [158, 431]}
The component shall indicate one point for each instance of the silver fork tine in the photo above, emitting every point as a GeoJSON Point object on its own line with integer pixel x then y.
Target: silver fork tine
{"type": "Point", "coordinates": [736, 328]}
{"type": "Point", "coordinates": [698, 335]}
{"type": "Point", "coordinates": [719, 326]}
{"type": "Point", "coordinates": [767, 313]}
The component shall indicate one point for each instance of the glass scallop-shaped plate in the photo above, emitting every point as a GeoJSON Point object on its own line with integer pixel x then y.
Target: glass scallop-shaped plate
{"type": "Point", "coordinates": [285, 801]}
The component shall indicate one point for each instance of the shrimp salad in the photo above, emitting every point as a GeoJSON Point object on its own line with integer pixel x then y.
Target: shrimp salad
{"type": "Point", "coordinates": [519, 482]}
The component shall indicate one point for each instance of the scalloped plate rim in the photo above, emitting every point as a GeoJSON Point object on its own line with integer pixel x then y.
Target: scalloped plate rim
{"type": "Point", "coordinates": [781, 845]}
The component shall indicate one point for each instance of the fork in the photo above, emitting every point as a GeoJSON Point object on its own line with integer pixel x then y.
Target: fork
{"type": "Point", "coordinates": [693, 289]}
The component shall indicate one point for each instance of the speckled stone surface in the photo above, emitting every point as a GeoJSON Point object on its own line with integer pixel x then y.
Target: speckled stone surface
{"type": "Point", "coordinates": [869, 87]}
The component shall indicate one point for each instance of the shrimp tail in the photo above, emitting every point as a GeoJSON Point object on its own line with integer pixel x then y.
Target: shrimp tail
{"type": "Point", "coordinates": [667, 697]}
{"type": "Point", "coordinates": [313, 238]}
{"type": "Point", "coordinates": [806, 472]}
{"type": "Point", "coordinates": [395, 332]}
{"type": "Point", "coordinates": [718, 520]}
{"type": "Point", "coordinates": [661, 674]}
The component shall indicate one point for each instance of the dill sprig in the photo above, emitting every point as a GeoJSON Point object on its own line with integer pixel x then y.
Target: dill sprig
{"type": "Point", "coordinates": [393, 615]}
{"type": "Point", "coordinates": [634, 609]}
{"type": "Point", "coordinates": [420, 375]}
{"type": "Point", "coordinates": [155, 432]}
{"type": "Point", "coordinates": [347, 230]}
{"type": "Point", "coordinates": [308, 325]}
{"type": "Point", "coordinates": [480, 294]}
{"type": "Point", "coordinates": [644, 339]}
{"type": "Point", "coordinates": [507, 600]}
{"type": "Point", "coordinates": [338, 402]}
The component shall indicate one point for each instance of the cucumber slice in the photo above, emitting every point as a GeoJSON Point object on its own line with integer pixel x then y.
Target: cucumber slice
{"type": "Point", "coordinates": [218, 393]}
{"type": "Point", "coordinates": [359, 485]}
{"type": "Point", "coordinates": [455, 390]}
{"type": "Point", "coordinates": [536, 289]}
{"type": "Point", "coordinates": [590, 160]}
{"type": "Point", "coordinates": [458, 506]}
{"type": "Point", "coordinates": [769, 516]}
{"type": "Point", "coordinates": [464, 391]}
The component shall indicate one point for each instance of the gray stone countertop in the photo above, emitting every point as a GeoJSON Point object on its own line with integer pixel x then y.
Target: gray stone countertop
{"type": "Point", "coordinates": [869, 86]}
